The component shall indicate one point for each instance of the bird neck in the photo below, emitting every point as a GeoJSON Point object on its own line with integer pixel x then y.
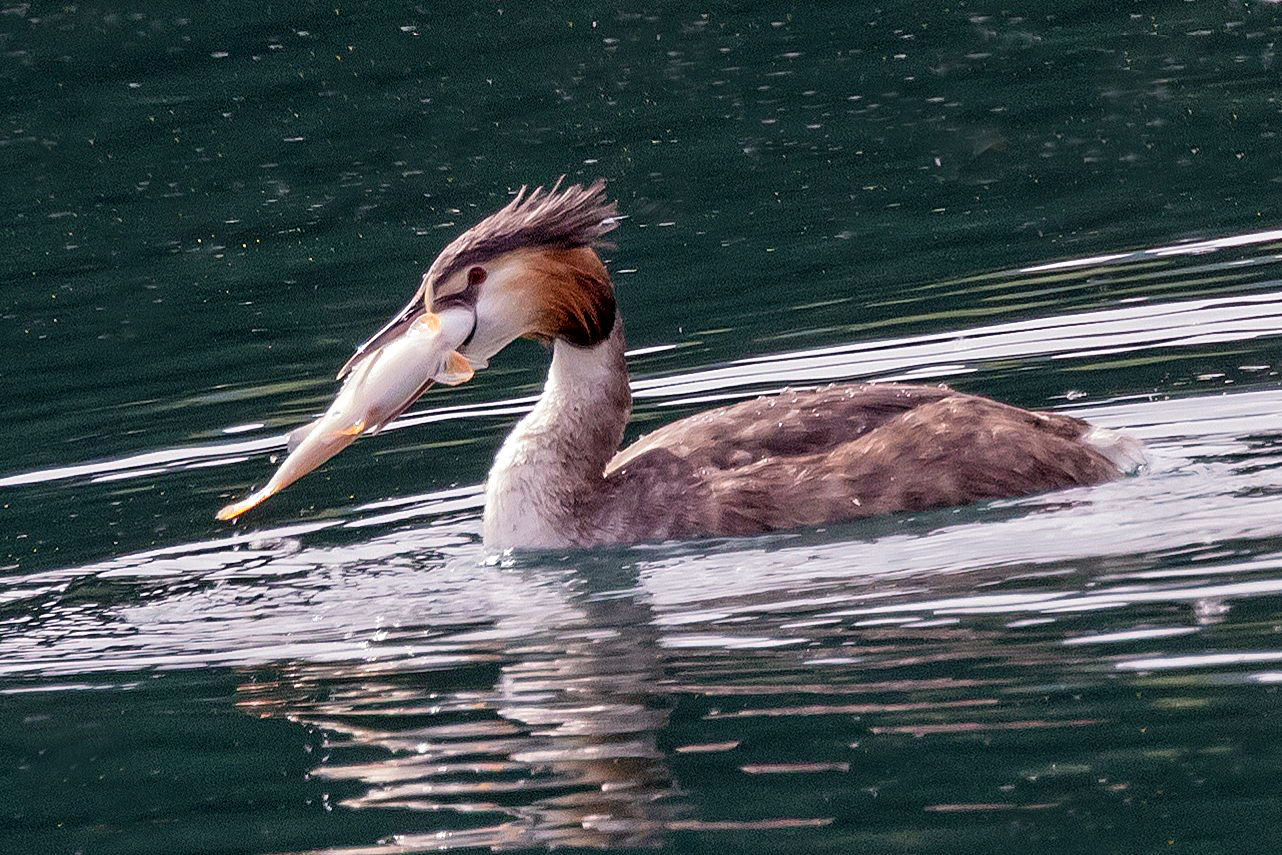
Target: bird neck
{"type": "Point", "coordinates": [550, 468]}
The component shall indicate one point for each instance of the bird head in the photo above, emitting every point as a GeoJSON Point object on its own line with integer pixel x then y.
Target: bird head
{"type": "Point", "coordinates": [529, 270]}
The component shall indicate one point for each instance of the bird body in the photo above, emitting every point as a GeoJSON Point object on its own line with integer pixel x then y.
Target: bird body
{"type": "Point", "coordinates": [791, 460]}
{"type": "Point", "coordinates": [795, 459]}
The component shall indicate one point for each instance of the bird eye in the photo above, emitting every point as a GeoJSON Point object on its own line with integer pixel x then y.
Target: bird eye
{"type": "Point", "coordinates": [465, 297]}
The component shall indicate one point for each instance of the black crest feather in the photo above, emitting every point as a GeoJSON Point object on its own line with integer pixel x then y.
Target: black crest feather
{"type": "Point", "coordinates": [563, 218]}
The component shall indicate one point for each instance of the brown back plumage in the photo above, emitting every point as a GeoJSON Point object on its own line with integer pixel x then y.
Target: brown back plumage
{"type": "Point", "coordinates": [575, 216]}
{"type": "Point", "coordinates": [805, 458]}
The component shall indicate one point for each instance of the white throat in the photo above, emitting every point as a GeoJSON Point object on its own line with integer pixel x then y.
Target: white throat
{"type": "Point", "coordinates": [541, 489]}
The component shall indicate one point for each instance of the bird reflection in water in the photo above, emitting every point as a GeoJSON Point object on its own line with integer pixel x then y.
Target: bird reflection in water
{"type": "Point", "coordinates": [555, 740]}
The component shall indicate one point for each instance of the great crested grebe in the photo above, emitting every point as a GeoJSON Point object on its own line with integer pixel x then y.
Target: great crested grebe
{"type": "Point", "coordinates": [796, 459]}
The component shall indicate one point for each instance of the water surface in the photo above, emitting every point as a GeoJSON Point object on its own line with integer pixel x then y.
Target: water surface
{"type": "Point", "coordinates": [1068, 207]}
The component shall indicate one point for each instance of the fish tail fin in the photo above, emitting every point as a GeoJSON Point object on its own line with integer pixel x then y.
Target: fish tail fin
{"type": "Point", "coordinates": [318, 444]}
{"type": "Point", "coordinates": [253, 500]}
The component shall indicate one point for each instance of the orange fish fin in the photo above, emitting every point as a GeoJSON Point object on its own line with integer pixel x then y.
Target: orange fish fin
{"type": "Point", "coordinates": [429, 323]}
{"type": "Point", "coordinates": [356, 428]}
{"type": "Point", "coordinates": [456, 370]}
{"type": "Point", "coordinates": [253, 500]}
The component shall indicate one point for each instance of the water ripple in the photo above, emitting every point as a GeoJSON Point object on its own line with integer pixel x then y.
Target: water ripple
{"type": "Point", "coordinates": [569, 701]}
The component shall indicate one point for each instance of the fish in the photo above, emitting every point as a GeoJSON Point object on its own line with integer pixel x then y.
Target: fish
{"type": "Point", "coordinates": [378, 389]}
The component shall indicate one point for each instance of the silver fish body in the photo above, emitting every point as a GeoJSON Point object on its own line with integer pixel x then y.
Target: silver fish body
{"type": "Point", "coordinates": [379, 388]}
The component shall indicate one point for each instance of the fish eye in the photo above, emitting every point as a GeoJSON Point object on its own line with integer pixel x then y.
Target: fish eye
{"type": "Point", "coordinates": [475, 276]}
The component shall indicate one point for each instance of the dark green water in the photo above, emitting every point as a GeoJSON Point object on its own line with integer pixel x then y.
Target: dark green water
{"type": "Point", "coordinates": [1066, 206]}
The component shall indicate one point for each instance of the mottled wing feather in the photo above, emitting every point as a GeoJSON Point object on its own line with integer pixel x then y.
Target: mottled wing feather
{"type": "Point", "coordinates": [790, 423]}
{"type": "Point", "coordinates": [950, 452]}
{"type": "Point", "coordinates": [826, 455]}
